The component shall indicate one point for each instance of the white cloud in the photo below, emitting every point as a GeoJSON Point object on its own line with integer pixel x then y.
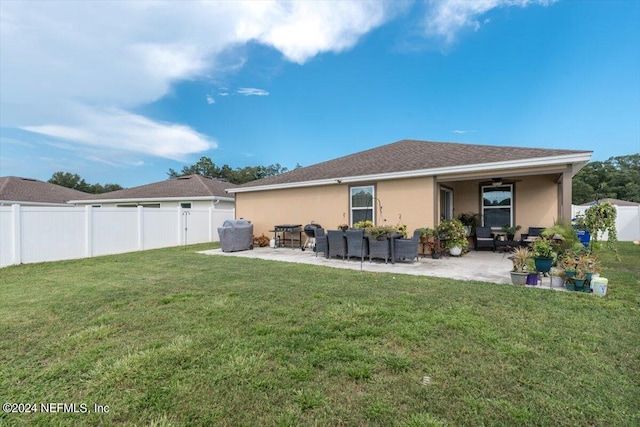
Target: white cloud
{"type": "Point", "coordinates": [120, 130]}
{"type": "Point", "coordinates": [210, 100]}
{"type": "Point", "coordinates": [445, 18]}
{"type": "Point", "coordinates": [458, 131]}
{"type": "Point", "coordinates": [251, 91]}
{"type": "Point", "coordinates": [75, 70]}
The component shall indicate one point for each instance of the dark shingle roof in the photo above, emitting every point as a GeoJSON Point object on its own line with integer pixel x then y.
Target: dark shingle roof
{"type": "Point", "coordinates": [184, 186]}
{"type": "Point", "coordinates": [16, 189]}
{"type": "Point", "coordinates": [409, 155]}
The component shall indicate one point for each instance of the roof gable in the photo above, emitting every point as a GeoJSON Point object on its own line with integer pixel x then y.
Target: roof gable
{"type": "Point", "coordinates": [406, 156]}
{"type": "Point", "coordinates": [17, 189]}
{"type": "Point", "coordinates": [181, 187]}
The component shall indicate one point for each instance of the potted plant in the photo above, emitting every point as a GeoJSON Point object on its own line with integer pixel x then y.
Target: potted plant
{"type": "Point", "coordinates": [519, 257]}
{"type": "Point", "coordinates": [543, 254]}
{"type": "Point", "coordinates": [557, 277]}
{"type": "Point", "coordinates": [591, 265]}
{"type": "Point", "coordinates": [402, 229]}
{"type": "Point", "coordinates": [562, 234]}
{"type": "Point", "coordinates": [511, 231]}
{"type": "Point", "coordinates": [343, 227]}
{"type": "Point", "coordinates": [580, 277]}
{"type": "Point", "coordinates": [363, 224]}
{"type": "Point", "coordinates": [601, 218]}
{"type": "Point", "coordinates": [429, 237]}
{"type": "Point", "coordinates": [532, 272]}
{"type": "Point", "coordinates": [455, 236]}
{"type": "Point", "coordinates": [380, 232]}
{"type": "Point", "coordinates": [470, 221]}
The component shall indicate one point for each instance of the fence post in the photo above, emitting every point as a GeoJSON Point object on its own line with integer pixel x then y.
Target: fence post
{"type": "Point", "coordinates": [180, 231]}
{"type": "Point", "coordinates": [17, 234]}
{"type": "Point", "coordinates": [211, 223]}
{"type": "Point", "coordinates": [140, 228]}
{"type": "Point", "coordinates": [88, 231]}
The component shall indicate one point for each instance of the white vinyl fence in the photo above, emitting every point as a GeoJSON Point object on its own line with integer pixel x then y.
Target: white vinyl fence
{"type": "Point", "coordinates": [627, 222]}
{"type": "Point", "coordinates": [36, 234]}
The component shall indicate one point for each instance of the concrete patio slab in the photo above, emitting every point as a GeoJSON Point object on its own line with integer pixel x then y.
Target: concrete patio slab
{"type": "Point", "coordinates": [482, 266]}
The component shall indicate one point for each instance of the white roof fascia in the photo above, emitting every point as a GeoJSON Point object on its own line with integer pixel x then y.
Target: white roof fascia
{"type": "Point", "coordinates": [581, 158]}
{"type": "Point", "coordinates": [154, 199]}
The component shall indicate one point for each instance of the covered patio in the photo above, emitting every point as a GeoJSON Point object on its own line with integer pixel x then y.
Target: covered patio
{"type": "Point", "coordinates": [475, 265]}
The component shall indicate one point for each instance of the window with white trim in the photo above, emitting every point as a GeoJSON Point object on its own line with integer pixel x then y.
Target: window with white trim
{"type": "Point", "coordinates": [361, 203]}
{"type": "Point", "coordinates": [497, 205]}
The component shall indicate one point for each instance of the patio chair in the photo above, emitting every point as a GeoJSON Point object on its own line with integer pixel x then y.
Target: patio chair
{"type": "Point", "coordinates": [484, 238]}
{"type": "Point", "coordinates": [533, 234]}
{"type": "Point", "coordinates": [406, 249]}
{"type": "Point", "coordinates": [321, 241]}
{"type": "Point", "coordinates": [378, 249]}
{"type": "Point", "coordinates": [337, 246]}
{"type": "Point", "coordinates": [356, 246]}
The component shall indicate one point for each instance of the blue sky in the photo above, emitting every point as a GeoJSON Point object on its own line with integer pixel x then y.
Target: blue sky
{"type": "Point", "coordinates": [119, 92]}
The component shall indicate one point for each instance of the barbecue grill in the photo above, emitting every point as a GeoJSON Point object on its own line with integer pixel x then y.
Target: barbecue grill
{"type": "Point", "coordinates": [309, 231]}
{"type": "Point", "coordinates": [280, 234]}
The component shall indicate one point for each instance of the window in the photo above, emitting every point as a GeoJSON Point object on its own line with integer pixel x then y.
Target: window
{"type": "Point", "coordinates": [446, 203]}
{"type": "Point", "coordinates": [497, 205]}
{"type": "Point", "coordinates": [362, 200]}
{"type": "Point", "coordinates": [185, 205]}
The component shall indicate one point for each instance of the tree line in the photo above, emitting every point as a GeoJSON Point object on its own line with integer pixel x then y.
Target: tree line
{"type": "Point", "coordinates": [617, 178]}
{"type": "Point", "coordinates": [206, 167]}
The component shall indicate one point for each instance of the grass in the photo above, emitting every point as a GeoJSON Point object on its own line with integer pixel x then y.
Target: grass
{"type": "Point", "coordinates": [174, 338]}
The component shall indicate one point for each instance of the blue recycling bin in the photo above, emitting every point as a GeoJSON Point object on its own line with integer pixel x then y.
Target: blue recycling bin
{"type": "Point", "coordinates": [584, 237]}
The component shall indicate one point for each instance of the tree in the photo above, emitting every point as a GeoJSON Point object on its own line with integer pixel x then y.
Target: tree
{"type": "Point", "coordinates": [206, 167]}
{"type": "Point", "coordinates": [69, 180]}
{"type": "Point", "coordinates": [617, 177]}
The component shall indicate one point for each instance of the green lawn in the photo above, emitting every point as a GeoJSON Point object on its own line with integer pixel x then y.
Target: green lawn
{"type": "Point", "coordinates": [172, 337]}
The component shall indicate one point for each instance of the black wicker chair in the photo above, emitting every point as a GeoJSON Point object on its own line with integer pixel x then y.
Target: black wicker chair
{"type": "Point", "coordinates": [321, 241]}
{"type": "Point", "coordinates": [356, 245]}
{"type": "Point", "coordinates": [337, 246]}
{"type": "Point", "coordinates": [378, 249]}
{"type": "Point", "coordinates": [533, 234]}
{"type": "Point", "coordinates": [406, 249]}
{"type": "Point", "coordinates": [484, 238]}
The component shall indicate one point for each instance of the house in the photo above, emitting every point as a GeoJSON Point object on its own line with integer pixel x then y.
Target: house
{"type": "Point", "coordinates": [33, 192]}
{"type": "Point", "coordinates": [418, 183]}
{"type": "Point", "coordinates": [191, 191]}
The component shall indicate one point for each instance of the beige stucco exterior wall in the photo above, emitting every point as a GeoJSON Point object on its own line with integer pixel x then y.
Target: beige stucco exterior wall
{"type": "Point", "coordinates": [536, 199]}
{"type": "Point", "coordinates": [324, 205]}
{"type": "Point", "coordinates": [409, 201]}
{"type": "Point", "coordinates": [329, 205]}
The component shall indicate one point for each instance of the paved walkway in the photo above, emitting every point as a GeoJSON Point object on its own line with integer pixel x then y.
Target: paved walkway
{"type": "Point", "coordinates": [484, 266]}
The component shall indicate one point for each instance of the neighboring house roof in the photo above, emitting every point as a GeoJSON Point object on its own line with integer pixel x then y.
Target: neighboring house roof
{"type": "Point", "coordinates": [615, 202]}
{"type": "Point", "coordinates": [17, 190]}
{"type": "Point", "coordinates": [410, 158]}
{"type": "Point", "coordinates": [190, 187]}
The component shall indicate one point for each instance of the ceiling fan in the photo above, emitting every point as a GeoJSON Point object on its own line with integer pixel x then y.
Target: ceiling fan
{"type": "Point", "coordinates": [497, 182]}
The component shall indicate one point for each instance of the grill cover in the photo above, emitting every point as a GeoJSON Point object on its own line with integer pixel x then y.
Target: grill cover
{"type": "Point", "coordinates": [236, 235]}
